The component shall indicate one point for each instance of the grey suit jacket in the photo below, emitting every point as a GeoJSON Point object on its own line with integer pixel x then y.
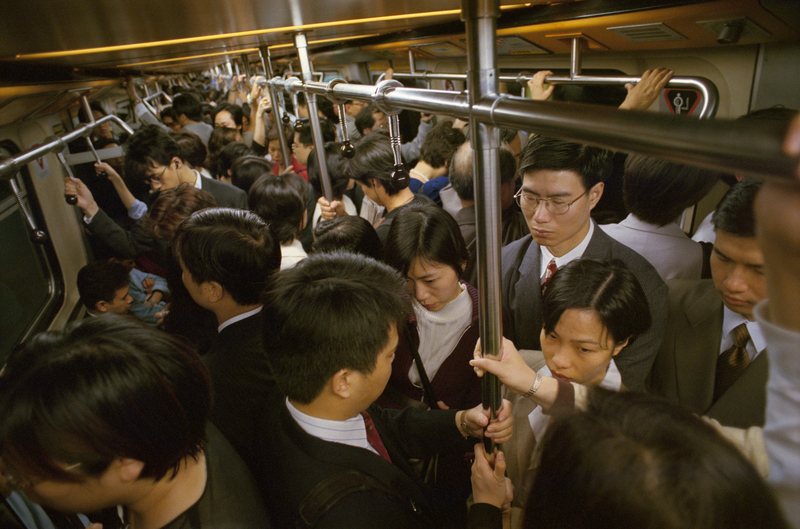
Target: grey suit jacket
{"type": "Point", "coordinates": [225, 195]}
{"type": "Point", "coordinates": [522, 300]}
{"type": "Point", "coordinates": [685, 367]}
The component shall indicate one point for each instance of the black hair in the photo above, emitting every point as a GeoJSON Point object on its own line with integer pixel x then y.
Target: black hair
{"type": "Point", "coordinates": [734, 213]}
{"type": "Point", "coordinates": [336, 170]}
{"type": "Point", "coordinates": [233, 247]}
{"type": "Point", "coordinates": [332, 311]}
{"type": "Point", "coordinates": [635, 460]}
{"type": "Point", "coordinates": [364, 119]}
{"type": "Point", "coordinates": [228, 156]}
{"type": "Point", "coordinates": [168, 112]}
{"type": "Point", "coordinates": [150, 144]}
{"type": "Point", "coordinates": [325, 106]}
{"type": "Point", "coordinates": [95, 106]}
{"type": "Point", "coordinates": [281, 201]}
{"type": "Point", "coordinates": [657, 191]}
{"type": "Point", "coordinates": [189, 105]}
{"type": "Point", "coordinates": [373, 158]}
{"type": "Point", "coordinates": [247, 169]}
{"type": "Point", "coordinates": [425, 232]}
{"type": "Point", "coordinates": [235, 111]}
{"type": "Point", "coordinates": [100, 281]}
{"type": "Point", "coordinates": [101, 389]}
{"type": "Point", "coordinates": [193, 150]}
{"type": "Point", "coordinates": [349, 233]}
{"type": "Point", "coordinates": [440, 144]}
{"type": "Point", "coordinates": [590, 163]}
{"type": "Point", "coordinates": [606, 287]}
{"type": "Point", "coordinates": [306, 137]}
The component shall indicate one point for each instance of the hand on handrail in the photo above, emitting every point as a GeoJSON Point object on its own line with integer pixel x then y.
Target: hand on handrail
{"type": "Point", "coordinates": [642, 94]}
{"type": "Point", "coordinates": [536, 84]}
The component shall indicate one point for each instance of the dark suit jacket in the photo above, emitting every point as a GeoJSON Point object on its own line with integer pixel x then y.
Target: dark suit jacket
{"type": "Point", "coordinates": [294, 462]}
{"type": "Point", "coordinates": [242, 380]}
{"type": "Point", "coordinates": [685, 367]}
{"type": "Point", "coordinates": [225, 195]}
{"type": "Point", "coordinates": [522, 300]}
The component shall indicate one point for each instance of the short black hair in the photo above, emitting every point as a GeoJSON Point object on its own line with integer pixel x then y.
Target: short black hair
{"type": "Point", "coordinates": [168, 112]}
{"type": "Point", "coordinates": [306, 137]}
{"type": "Point", "coordinates": [101, 389]}
{"type": "Point", "coordinates": [591, 164]}
{"type": "Point", "coordinates": [347, 233]}
{"type": "Point", "coordinates": [440, 144]}
{"type": "Point", "coordinates": [373, 158]}
{"type": "Point", "coordinates": [233, 247]}
{"type": "Point", "coordinates": [425, 232]}
{"type": "Point", "coordinates": [332, 311]}
{"type": "Point", "coordinates": [189, 105]}
{"type": "Point", "coordinates": [100, 281]}
{"type": "Point", "coordinates": [150, 144]}
{"type": "Point", "coordinates": [228, 156]}
{"type": "Point", "coordinates": [336, 170]}
{"type": "Point", "coordinates": [364, 119]}
{"type": "Point", "coordinates": [247, 169]}
{"type": "Point", "coordinates": [193, 150]}
{"type": "Point", "coordinates": [281, 201]}
{"type": "Point", "coordinates": [95, 106]}
{"type": "Point", "coordinates": [657, 191]}
{"type": "Point", "coordinates": [235, 111]}
{"type": "Point", "coordinates": [325, 106]}
{"type": "Point", "coordinates": [633, 459]}
{"type": "Point", "coordinates": [607, 287]}
{"type": "Point", "coordinates": [734, 213]}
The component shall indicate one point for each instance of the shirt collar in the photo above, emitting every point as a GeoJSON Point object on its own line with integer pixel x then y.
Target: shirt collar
{"type": "Point", "coordinates": [732, 319]}
{"type": "Point", "coordinates": [568, 257]}
{"type": "Point", "coordinates": [198, 182]}
{"type": "Point", "coordinates": [240, 317]}
{"type": "Point", "coordinates": [352, 432]}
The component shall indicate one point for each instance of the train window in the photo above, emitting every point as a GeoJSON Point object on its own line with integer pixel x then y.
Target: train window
{"type": "Point", "coordinates": [28, 288]}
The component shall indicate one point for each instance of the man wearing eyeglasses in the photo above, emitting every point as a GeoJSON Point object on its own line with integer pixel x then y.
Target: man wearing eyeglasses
{"type": "Point", "coordinates": [562, 183]}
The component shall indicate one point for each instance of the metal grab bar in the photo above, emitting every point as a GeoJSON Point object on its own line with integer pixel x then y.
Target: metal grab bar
{"type": "Point", "coordinates": [9, 167]}
{"type": "Point", "coordinates": [159, 93]}
{"type": "Point", "coordinates": [705, 86]}
{"type": "Point", "coordinates": [725, 145]}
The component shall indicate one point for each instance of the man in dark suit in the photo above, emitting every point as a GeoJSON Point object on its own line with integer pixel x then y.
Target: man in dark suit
{"type": "Point", "coordinates": [705, 317]}
{"type": "Point", "coordinates": [226, 256]}
{"type": "Point", "coordinates": [562, 182]}
{"type": "Point", "coordinates": [330, 333]}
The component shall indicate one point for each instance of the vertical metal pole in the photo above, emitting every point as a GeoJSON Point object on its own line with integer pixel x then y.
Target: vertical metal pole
{"type": "Point", "coordinates": [248, 71]}
{"type": "Point", "coordinates": [480, 17]}
{"type": "Point", "coordinates": [575, 58]}
{"type": "Point", "coordinates": [412, 64]}
{"type": "Point", "coordinates": [301, 44]}
{"type": "Point", "coordinates": [266, 62]}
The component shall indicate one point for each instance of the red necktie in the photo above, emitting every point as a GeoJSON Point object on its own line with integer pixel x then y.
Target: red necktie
{"type": "Point", "coordinates": [548, 273]}
{"type": "Point", "coordinates": [732, 362]}
{"type": "Point", "coordinates": [374, 438]}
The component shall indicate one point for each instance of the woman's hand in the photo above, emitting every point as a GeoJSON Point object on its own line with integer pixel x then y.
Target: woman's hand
{"type": "Point", "coordinates": [489, 483]}
{"type": "Point", "coordinates": [477, 421]}
{"type": "Point", "coordinates": [510, 368]}
{"type": "Point", "coordinates": [537, 86]}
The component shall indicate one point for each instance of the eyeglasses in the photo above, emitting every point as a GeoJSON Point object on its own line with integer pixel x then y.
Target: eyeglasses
{"type": "Point", "coordinates": [159, 177]}
{"type": "Point", "coordinates": [556, 206]}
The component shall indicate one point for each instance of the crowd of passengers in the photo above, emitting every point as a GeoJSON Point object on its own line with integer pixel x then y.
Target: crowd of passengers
{"type": "Point", "coordinates": [254, 355]}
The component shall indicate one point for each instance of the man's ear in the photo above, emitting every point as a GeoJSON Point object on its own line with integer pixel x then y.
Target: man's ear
{"type": "Point", "coordinates": [340, 383]}
{"type": "Point", "coordinates": [619, 347]}
{"type": "Point", "coordinates": [595, 193]}
{"type": "Point", "coordinates": [177, 162]}
{"type": "Point", "coordinates": [214, 291]}
{"type": "Point", "coordinates": [128, 470]}
{"type": "Point", "coordinates": [101, 306]}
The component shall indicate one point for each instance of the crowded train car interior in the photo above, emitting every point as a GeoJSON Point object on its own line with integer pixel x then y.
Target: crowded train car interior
{"type": "Point", "coordinates": [79, 78]}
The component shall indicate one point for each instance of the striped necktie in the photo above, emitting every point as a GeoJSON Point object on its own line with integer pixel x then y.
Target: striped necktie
{"type": "Point", "coordinates": [548, 273]}
{"type": "Point", "coordinates": [732, 362]}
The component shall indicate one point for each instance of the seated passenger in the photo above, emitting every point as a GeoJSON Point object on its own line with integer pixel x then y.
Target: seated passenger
{"type": "Point", "coordinates": [226, 257]}
{"type": "Point", "coordinates": [372, 167]}
{"type": "Point", "coordinates": [330, 331]}
{"type": "Point", "coordinates": [103, 288]}
{"type": "Point", "coordinates": [712, 360]}
{"type": "Point", "coordinates": [435, 155]}
{"type": "Point", "coordinates": [562, 182]}
{"type": "Point", "coordinates": [462, 181]}
{"type": "Point", "coordinates": [281, 202]}
{"type": "Point", "coordinates": [656, 193]}
{"type": "Point", "coordinates": [592, 312]}
{"type": "Point", "coordinates": [111, 415]}
{"type": "Point", "coordinates": [347, 234]}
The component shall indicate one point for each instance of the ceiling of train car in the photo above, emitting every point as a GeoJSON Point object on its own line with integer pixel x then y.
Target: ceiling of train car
{"type": "Point", "coordinates": [80, 38]}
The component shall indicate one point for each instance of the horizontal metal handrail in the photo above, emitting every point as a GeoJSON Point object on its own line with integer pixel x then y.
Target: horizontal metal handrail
{"type": "Point", "coordinates": [706, 87]}
{"type": "Point", "coordinates": [157, 94]}
{"type": "Point", "coordinates": [725, 145]}
{"type": "Point", "coordinates": [9, 167]}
